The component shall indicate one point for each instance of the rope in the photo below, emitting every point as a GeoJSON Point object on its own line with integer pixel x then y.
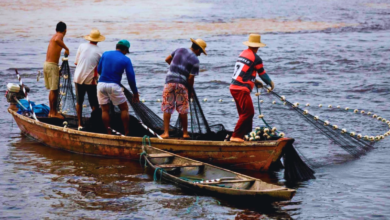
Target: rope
{"type": "Point", "coordinates": [258, 104]}
{"type": "Point", "coordinates": [140, 157]}
{"type": "Point", "coordinates": [144, 140]}
{"type": "Point", "coordinates": [25, 93]}
{"type": "Point", "coordinates": [155, 174]}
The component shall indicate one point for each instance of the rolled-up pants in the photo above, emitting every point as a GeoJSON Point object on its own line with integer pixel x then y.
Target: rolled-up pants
{"type": "Point", "coordinates": [246, 112]}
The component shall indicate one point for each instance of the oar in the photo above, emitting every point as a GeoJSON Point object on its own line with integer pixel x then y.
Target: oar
{"type": "Point", "coordinates": [25, 93]}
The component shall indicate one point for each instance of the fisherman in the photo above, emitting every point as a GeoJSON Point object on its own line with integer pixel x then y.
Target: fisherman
{"type": "Point", "coordinates": [85, 76]}
{"type": "Point", "coordinates": [244, 79]}
{"type": "Point", "coordinates": [184, 66]}
{"type": "Point", "coordinates": [111, 68]}
{"type": "Point", "coordinates": [50, 67]}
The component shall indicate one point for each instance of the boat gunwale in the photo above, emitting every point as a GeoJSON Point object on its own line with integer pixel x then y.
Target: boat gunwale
{"type": "Point", "coordinates": [269, 143]}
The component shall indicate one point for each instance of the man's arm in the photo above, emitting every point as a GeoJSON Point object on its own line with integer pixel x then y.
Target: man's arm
{"type": "Point", "coordinates": [263, 75]}
{"type": "Point", "coordinates": [131, 80]}
{"type": "Point", "coordinates": [169, 59]}
{"type": "Point", "coordinates": [191, 80]}
{"type": "Point", "coordinates": [60, 41]}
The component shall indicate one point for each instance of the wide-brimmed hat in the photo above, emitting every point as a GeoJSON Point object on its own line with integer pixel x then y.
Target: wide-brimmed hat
{"type": "Point", "coordinates": [201, 43]}
{"type": "Point", "coordinates": [95, 36]}
{"type": "Point", "coordinates": [254, 40]}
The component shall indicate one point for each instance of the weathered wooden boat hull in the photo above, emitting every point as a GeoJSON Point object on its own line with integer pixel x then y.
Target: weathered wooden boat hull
{"type": "Point", "coordinates": [259, 156]}
{"type": "Point", "coordinates": [245, 188]}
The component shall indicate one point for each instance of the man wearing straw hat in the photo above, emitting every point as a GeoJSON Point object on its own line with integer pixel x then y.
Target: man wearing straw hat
{"type": "Point", "coordinates": [86, 76]}
{"type": "Point", "coordinates": [244, 78]}
{"type": "Point", "coordinates": [184, 66]}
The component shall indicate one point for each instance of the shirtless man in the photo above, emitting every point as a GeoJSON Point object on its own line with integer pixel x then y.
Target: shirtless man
{"type": "Point", "coordinates": [50, 67]}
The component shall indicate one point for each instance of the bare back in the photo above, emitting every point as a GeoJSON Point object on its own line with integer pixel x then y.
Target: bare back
{"type": "Point", "coordinates": [54, 48]}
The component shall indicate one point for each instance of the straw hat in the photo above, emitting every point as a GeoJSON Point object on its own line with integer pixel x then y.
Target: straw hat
{"type": "Point", "coordinates": [201, 44]}
{"type": "Point", "coordinates": [95, 36]}
{"type": "Point", "coordinates": [254, 41]}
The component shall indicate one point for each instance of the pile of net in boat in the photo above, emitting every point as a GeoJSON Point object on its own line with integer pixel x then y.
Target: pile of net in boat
{"type": "Point", "coordinates": [199, 128]}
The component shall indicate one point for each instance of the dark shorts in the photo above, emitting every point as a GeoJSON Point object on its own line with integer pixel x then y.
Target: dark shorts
{"type": "Point", "coordinates": [91, 90]}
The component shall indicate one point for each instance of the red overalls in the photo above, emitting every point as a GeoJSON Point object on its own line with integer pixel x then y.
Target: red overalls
{"type": "Point", "coordinates": [248, 63]}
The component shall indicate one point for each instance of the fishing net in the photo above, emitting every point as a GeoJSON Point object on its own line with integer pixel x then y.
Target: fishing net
{"type": "Point", "coordinates": [327, 143]}
{"type": "Point", "coordinates": [199, 128]}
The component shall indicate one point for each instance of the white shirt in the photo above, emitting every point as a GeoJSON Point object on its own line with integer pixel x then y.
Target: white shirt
{"type": "Point", "coordinates": [87, 59]}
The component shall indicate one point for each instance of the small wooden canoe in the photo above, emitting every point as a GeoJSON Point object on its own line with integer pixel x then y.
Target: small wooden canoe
{"type": "Point", "coordinates": [209, 179]}
{"type": "Point", "coordinates": [254, 155]}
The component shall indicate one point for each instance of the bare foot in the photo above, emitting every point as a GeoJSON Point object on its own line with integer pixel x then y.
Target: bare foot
{"type": "Point", "coordinates": [186, 135]}
{"type": "Point", "coordinates": [164, 136]}
{"type": "Point", "coordinates": [58, 115]}
{"type": "Point", "coordinates": [235, 139]}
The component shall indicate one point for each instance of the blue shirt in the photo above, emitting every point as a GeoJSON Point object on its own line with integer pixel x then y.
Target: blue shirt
{"type": "Point", "coordinates": [184, 62]}
{"type": "Point", "coordinates": [111, 67]}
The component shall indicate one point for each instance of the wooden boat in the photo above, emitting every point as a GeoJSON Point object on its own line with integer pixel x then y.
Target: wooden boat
{"type": "Point", "coordinates": [206, 178]}
{"type": "Point", "coordinates": [259, 156]}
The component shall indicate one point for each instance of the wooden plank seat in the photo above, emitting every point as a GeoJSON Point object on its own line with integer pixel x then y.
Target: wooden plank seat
{"type": "Point", "coordinates": [163, 155]}
{"type": "Point", "coordinates": [180, 165]}
{"type": "Point", "coordinates": [221, 181]}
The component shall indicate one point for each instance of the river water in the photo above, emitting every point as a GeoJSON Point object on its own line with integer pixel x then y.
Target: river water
{"type": "Point", "coordinates": [319, 52]}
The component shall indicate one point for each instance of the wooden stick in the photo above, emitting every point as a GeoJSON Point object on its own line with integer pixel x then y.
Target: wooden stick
{"type": "Point", "coordinates": [25, 93]}
{"type": "Point", "coordinates": [150, 130]}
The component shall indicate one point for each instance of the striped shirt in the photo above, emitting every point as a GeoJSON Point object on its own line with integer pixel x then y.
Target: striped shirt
{"type": "Point", "coordinates": [184, 63]}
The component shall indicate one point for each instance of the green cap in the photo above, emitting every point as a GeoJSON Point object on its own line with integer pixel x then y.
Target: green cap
{"type": "Point", "coordinates": [125, 43]}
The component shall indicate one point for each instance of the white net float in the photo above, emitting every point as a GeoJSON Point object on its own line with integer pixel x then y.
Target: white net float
{"type": "Point", "coordinates": [326, 123]}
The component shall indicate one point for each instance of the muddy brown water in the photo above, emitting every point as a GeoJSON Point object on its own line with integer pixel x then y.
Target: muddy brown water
{"type": "Point", "coordinates": [329, 52]}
